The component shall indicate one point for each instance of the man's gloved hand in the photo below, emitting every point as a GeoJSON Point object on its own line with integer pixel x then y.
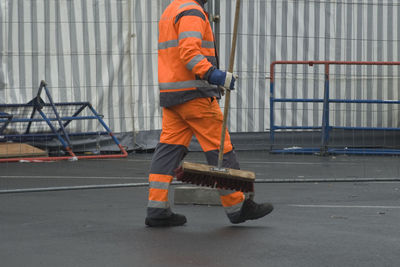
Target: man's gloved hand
{"type": "Point", "coordinates": [224, 79]}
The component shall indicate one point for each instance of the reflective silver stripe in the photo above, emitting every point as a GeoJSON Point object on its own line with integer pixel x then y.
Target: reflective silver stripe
{"type": "Point", "coordinates": [188, 4]}
{"type": "Point", "coordinates": [188, 34]}
{"type": "Point", "coordinates": [225, 192]}
{"type": "Point", "coordinates": [158, 204]}
{"type": "Point", "coordinates": [174, 43]}
{"type": "Point", "coordinates": [207, 44]}
{"type": "Point", "coordinates": [168, 44]}
{"type": "Point", "coordinates": [159, 185]}
{"type": "Point", "coordinates": [195, 60]}
{"type": "Point", "coordinates": [185, 84]}
{"type": "Point", "coordinates": [234, 208]}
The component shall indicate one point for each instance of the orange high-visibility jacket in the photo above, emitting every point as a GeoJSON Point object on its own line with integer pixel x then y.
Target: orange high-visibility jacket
{"type": "Point", "coordinates": [186, 53]}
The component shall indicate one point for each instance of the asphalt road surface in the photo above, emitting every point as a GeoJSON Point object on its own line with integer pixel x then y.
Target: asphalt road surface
{"type": "Point", "coordinates": [318, 220]}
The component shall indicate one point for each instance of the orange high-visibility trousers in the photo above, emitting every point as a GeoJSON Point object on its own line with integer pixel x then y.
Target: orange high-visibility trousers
{"type": "Point", "coordinates": [201, 117]}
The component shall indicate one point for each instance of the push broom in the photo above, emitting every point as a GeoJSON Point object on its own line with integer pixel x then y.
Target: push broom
{"type": "Point", "coordinates": [220, 177]}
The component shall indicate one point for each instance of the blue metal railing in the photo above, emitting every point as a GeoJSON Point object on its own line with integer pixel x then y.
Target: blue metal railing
{"type": "Point", "coordinates": [325, 127]}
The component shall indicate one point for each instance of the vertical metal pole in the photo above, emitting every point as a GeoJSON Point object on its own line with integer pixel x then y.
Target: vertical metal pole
{"type": "Point", "coordinates": [271, 108]}
{"type": "Point", "coordinates": [228, 92]}
{"type": "Point", "coordinates": [215, 12]}
{"type": "Point", "coordinates": [129, 52]}
{"type": "Point", "coordinates": [325, 114]}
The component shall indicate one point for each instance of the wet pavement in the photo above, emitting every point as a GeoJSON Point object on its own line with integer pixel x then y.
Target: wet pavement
{"type": "Point", "coordinates": [329, 211]}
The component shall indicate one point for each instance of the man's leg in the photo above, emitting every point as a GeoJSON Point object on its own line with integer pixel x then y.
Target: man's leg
{"type": "Point", "coordinates": [204, 117]}
{"type": "Point", "coordinates": [231, 200]}
{"type": "Point", "coordinates": [239, 207]}
{"type": "Point", "coordinates": [175, 138]}
{"type": "Point", "coordinates": [165, 160]}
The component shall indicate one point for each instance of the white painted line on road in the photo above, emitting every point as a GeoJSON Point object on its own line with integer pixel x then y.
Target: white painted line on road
{"type": "Point", "coordinates": [137, 160]}
{"type": "Point", "coordinates": [344, 206]}
{"type": "Point", "coordinates": [296, 163]}
{"type": "Point", "coordinates": [328, 180]}
{"type": "Point", "coordinates": [65, 188]}
{"type": "Point", "coordinates": [78, 187]}
{"type": "Point", "coordinates": [71, 177]}
{"type": "Point", "coordinates": [258, 180]}
{"type": "Point", "coordinates": [286, 162]}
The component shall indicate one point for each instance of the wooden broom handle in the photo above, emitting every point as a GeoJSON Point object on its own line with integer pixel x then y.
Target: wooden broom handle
{"type": "Point", "coordinates": [228, 92]}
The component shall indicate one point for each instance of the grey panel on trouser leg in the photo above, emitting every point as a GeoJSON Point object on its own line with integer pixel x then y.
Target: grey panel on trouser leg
{"type": "Point", "coordinates": [229, 160]}
{"type": "Point", "coordinates": [234, 215]}
{"type": "Point", "coordinates": [234, 211]}
{"type": "Point", "coordinates": [167, 158]}
{"type": "Point", "coordinates": [158, 213]}
{"type": "Point", "coordinates": [158, 209]}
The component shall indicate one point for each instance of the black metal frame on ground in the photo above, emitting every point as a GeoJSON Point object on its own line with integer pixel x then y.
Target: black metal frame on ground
{"type": "Point", "coordinates": [54, 125]}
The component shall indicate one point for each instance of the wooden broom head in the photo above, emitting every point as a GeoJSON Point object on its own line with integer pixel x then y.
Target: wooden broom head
{"type": "Point", "coordinates": [206, 175]}
{"type": "Point", "coordinates": [225, 172]}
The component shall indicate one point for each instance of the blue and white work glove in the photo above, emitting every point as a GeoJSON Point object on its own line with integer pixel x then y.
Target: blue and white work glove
{"type": "Point", "coordinates": [224, 79]}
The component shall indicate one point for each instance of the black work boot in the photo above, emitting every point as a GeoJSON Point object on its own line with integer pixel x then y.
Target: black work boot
{"type": "Point", "coordinates": [251, 211]}
{"type": "Point", "coordinates": [173, 220]}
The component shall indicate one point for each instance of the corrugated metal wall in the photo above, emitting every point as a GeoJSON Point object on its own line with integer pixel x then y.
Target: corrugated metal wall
{"type": "Point", "coordinates": [310, 30]}
{"type": "Point", "coordinates": [80, 47]}
{"type": "Point", "coordinates": [105, 51]}
{"type": "Point", "coordinates": [294, 30]}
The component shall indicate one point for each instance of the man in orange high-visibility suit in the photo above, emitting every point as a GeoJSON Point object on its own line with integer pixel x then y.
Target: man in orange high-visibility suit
{"type": "Point", "coordinates": [189, 81]}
